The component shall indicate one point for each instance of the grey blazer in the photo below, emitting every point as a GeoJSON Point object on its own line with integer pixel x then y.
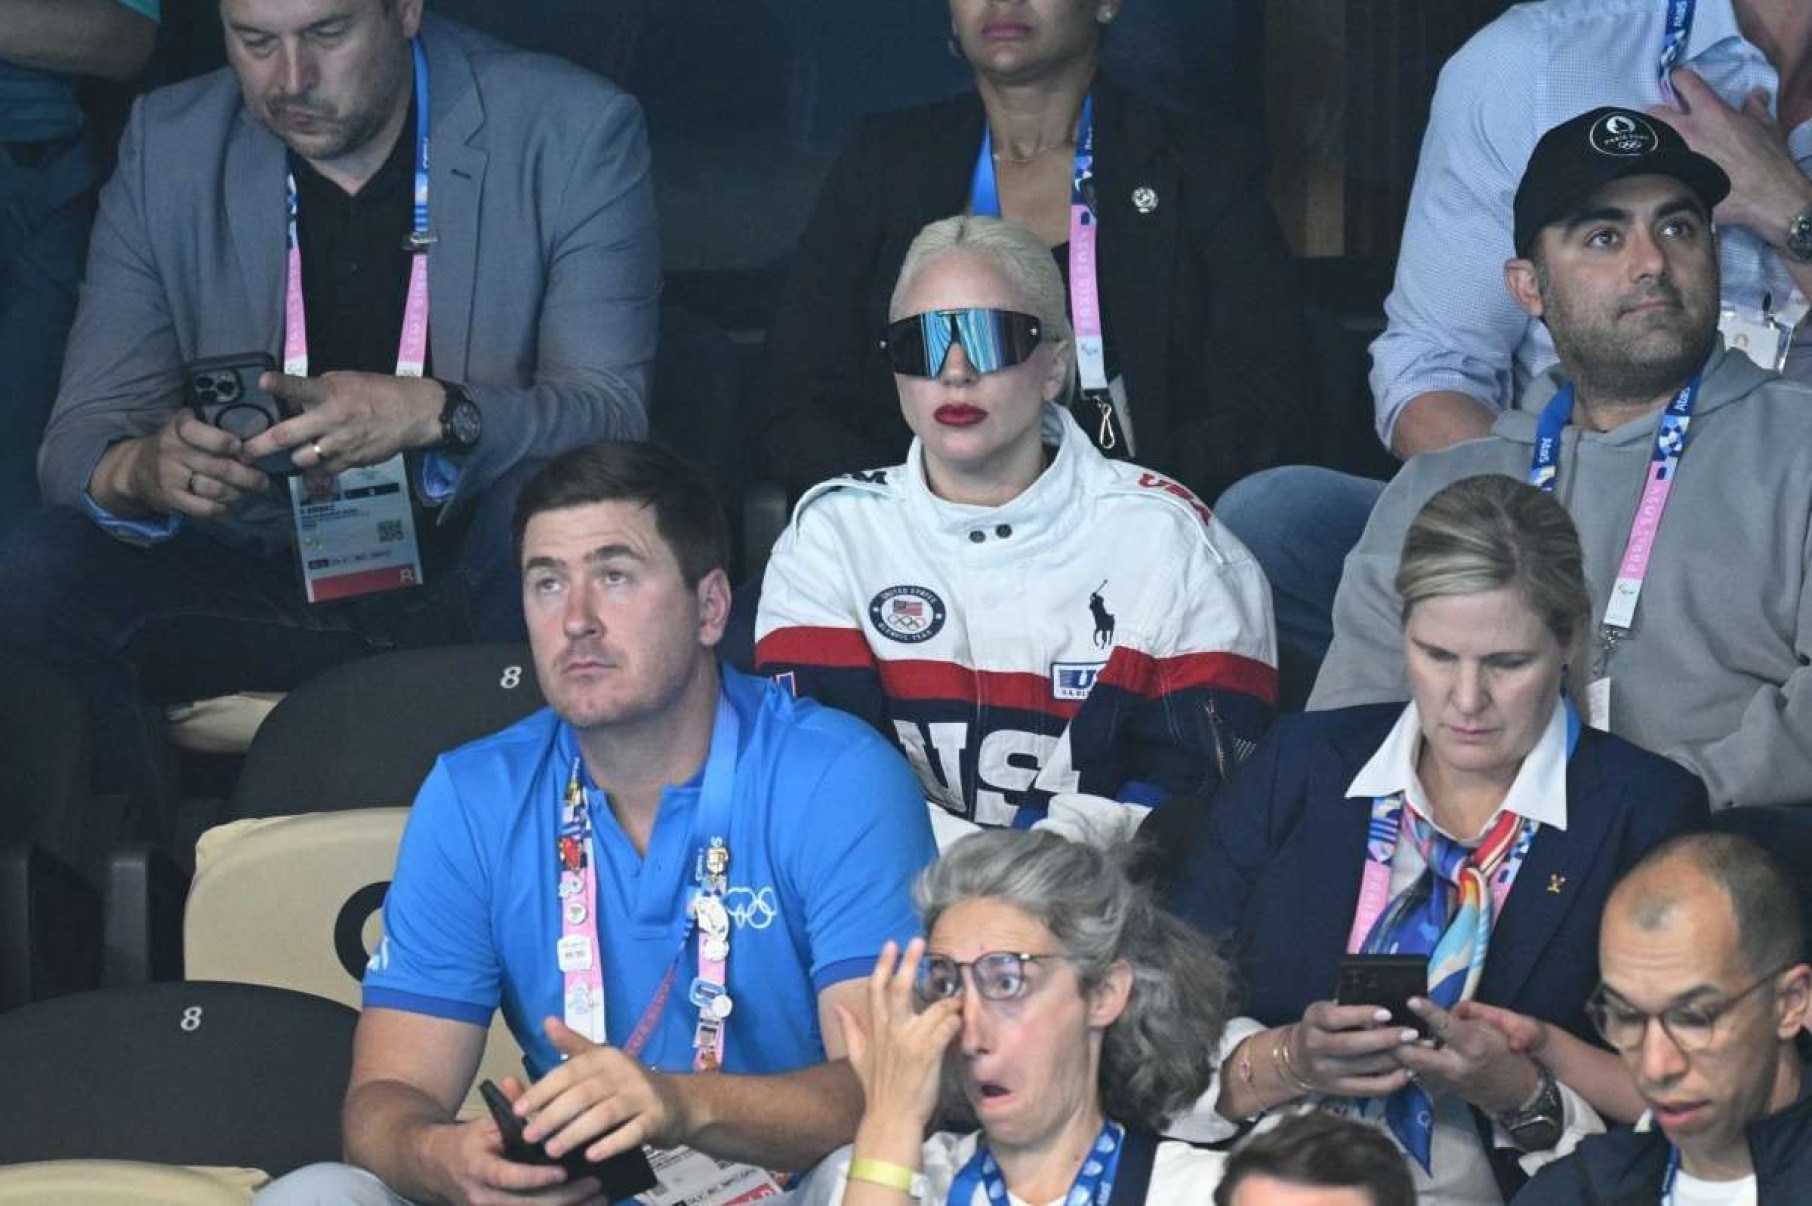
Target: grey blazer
{"type": "Point", "coordinates": [539, 188]}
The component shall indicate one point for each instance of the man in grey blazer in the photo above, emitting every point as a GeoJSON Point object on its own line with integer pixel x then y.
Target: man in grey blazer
{"type": "Point", "coordinates": [165, 565]}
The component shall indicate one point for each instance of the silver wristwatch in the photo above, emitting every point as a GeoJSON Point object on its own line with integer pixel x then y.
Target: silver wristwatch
{"type": "Point", "coordinates": [1536, 1125]}
{"type": "Point", "coordinates": [1799, 236]}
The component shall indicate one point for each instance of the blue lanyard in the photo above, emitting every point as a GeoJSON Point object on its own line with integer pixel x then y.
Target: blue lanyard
{"type": "Point", "coordinates": [1673, 1174]}
{"type": "Point", "coordinates": [420, 236]}
{"type": "Point", "coordinates": [1093, 1186]}
{"type": "Point", "coordinates": [1670, 440]}
{"type": "Point", "coordinates": [1673, 42]}
{"type": "Point", "coordinates": [984, 190]}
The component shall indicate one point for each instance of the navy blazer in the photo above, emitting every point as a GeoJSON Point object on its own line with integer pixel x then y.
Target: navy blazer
{"type": "Point", "coordinates": [1275, 864]}
{"type": "Point", "coordinates": [1198, 293]}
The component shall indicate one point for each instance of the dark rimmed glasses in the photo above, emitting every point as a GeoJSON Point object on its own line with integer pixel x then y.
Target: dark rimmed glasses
{"type": "Point", "coordinates": [997, 975]}
{"type": "Point", "coordinates": [1692, 1028]}
{"type": "Point", "coordinates": [991, 340]}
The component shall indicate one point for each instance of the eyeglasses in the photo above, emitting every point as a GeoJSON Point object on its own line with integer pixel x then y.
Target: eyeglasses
{"type": "Point", "coordinates": [998, 976]}
{"type": "Point", "coordinates": [1691, 1028]}
{"type": "Point", "coordinates": [991, 340]}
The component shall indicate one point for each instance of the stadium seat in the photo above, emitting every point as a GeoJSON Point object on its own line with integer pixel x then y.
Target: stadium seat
{"type": "Point", "coordinates": [49, 927]}
{"type": "Point", "coordinates": [295, 902]}
{"type": "Point", "coordinates": [360, 735]}
{"type": "Point", "coordinates": [228, 1075]}
{"type": "Point", "coordinates": [125, 1183]}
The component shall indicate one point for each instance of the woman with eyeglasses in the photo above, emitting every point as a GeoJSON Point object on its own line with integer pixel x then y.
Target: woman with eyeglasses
{"type": "Point", "coordinates": [1055, 1007]}
{"type": "Point", "coordinates": [1025, 618]}
{"type": "Point", "coordinates": [1195, 358]}
{"type": "Point", "coordinates": [1475, 832]}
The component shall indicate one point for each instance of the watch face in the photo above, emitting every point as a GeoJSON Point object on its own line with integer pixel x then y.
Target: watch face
{"type": "Point", "coordinates": [1799, 235]}
{"type": "Point", "coordinates": [464, 423]}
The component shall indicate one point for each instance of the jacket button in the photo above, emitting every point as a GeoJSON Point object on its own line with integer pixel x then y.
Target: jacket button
{"type": "Point", "coordinates": [1004, 530]}
{"type": "Point", "coordinates": [977, 536]}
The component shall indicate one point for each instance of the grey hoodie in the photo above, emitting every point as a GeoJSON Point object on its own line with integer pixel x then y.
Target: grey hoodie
{"type": "Point", "coordinates": [1715, 673]}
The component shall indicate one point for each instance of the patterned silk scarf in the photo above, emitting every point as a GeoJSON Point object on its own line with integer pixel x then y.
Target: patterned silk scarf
{"type": "Point", "coordinates": [1446, 914]}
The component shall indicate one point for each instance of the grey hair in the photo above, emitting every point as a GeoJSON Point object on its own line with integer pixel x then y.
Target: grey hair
{"type": "Point", "coordinates": [1488, 532]}
{"type": "Point", "coordinates": [1157, 1057]}
{"type": "Point", "coordinates": [1015, 252]}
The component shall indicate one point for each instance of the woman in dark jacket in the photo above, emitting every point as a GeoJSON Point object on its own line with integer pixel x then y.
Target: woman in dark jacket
{"type": "Point", "coordinates": [1204, 372]}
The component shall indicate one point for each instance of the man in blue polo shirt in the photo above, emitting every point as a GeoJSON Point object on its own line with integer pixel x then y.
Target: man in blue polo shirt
{"type": "Point", "coordinates": [668, 880]}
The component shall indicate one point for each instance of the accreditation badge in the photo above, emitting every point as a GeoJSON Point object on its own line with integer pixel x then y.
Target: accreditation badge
{"type": "Point", "coordinates": [691, 1178]}
{"type": "Point", "coordinates": [1764, 338]}
{"type": "Point", "coordinates": [359, 539]}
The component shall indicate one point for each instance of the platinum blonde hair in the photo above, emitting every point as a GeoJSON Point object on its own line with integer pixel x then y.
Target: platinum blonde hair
{"type": "Point", "coordinates": [1013, 251]}
{"type": "Point", "coordinates": [1484, 533]}
{"type": "Point", "coordinates": [1157, 1057]}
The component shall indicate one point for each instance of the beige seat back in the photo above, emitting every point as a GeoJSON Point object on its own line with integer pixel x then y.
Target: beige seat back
{"type": "Point", "coordinates": [125, 1183]}
{"type": "Point", "coordinates": [296, 902]}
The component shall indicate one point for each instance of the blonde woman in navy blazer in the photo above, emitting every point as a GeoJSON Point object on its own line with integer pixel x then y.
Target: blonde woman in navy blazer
{"type": "Point", "coordinates": [1495, 617]}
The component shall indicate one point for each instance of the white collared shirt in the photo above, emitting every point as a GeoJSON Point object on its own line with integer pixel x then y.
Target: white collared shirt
{"type": "Point", "coordinates": [1539, 792]}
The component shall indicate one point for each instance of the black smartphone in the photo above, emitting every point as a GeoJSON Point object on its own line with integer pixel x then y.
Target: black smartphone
{"type": "Point", "coordinates": [624, 1175]}
{"type": "Point", "coordinates": [1388, 981]}
{"type": "Point", "coordinates": [223, 392]}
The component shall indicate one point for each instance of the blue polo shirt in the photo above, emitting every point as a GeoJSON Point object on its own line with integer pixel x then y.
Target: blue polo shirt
{"type": "Point", "coordinates": [827, 830]}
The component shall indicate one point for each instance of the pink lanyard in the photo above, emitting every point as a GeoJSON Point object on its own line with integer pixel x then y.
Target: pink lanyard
{"type": "Point", "coordinates": [412, 351]}
{"type": "Point", "coordinates": [579, 949]}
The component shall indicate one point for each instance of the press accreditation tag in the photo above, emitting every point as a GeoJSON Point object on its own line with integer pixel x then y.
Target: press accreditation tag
{"type": "Point", "coordinates": [1598, 704]}
{"type": "Point", "coordinates": [1765, 339]}
{"type": "Point", "coordinates": [690, 1178]}
{"type": "Point", "coordinates": [360, 538]}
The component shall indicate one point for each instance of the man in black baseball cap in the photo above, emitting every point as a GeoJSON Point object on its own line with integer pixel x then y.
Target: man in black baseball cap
{"type": "Point", "coordinates": [1686, 468]}
{"type": "Point", "coordinates": [1617, 256]}
{"type": "Point", "coordinates": [1576, 158]}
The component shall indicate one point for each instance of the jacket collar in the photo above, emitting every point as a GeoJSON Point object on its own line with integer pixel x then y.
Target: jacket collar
{"type": "Point", "coordinates": [1046, 510]}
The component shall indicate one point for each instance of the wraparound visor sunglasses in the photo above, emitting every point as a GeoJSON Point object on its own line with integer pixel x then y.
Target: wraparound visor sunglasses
{"type": "Point", "coordinates": [991, 340]}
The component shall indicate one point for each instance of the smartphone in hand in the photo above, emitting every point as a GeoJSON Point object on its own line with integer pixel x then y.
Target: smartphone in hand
{"type": "Point", "coordinates": [622, 1176]}
{"type": "Point", "coordinates": [223, 392]}
{"type": "Point", "coordinates": [1388, 981]}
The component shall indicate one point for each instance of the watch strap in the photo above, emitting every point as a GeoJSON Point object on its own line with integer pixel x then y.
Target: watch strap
{"type": "Point", "coordinates": [1537, 1123]}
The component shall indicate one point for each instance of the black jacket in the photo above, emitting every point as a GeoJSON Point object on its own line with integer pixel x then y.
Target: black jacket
{"type": "Point", "coordinates": [1626, 1167]}
{"type": "Point", "coordinates": [1198, 296]}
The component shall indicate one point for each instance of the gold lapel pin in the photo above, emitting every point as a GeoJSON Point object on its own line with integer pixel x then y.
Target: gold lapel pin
{"type": "Point", "coordinates": [1556, 883]}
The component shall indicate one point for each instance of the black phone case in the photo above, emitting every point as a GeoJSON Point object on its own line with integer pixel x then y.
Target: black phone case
{"type": "Point", "coordinates": [223, 392]}
{"type": "Point", "coordinates": [624, 1175]}
{"type": "Point", "coordinates": [1385, 980]}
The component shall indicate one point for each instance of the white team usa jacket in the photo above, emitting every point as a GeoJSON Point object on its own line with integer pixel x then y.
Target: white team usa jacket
{"type": "Point", "coordinates": [1101, 633]}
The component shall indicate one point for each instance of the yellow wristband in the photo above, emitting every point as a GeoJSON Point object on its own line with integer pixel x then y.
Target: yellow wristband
{"type": "Point", "coordinates": [892, 1176]}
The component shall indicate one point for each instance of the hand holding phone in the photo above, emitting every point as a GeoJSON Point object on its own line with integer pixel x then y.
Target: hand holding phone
{"type": "Point", "coordinates": [622, 1176]}
{"type": "Point", "coordinates": [223, 392]}
{"type": "Point", "coordinates": [1387, 981]}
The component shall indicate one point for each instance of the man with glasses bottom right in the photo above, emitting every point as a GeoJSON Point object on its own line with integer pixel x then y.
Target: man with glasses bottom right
{"type": "Point", "coordinates": [1705, 994]}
